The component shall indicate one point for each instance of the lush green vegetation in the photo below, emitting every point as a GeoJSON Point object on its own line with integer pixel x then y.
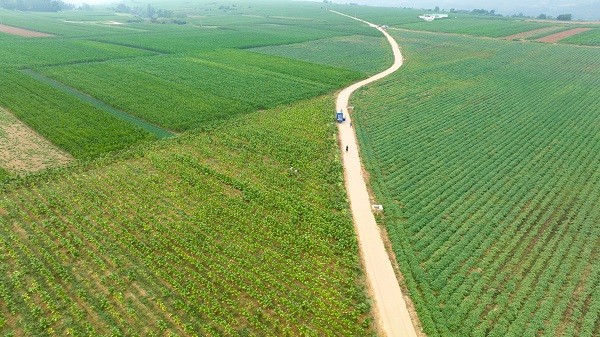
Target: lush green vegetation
{"type": "Point", "coordinates": [3, 174]}
{"type": "Point", "coordinates": [183, 92]}
{"type": "Point", "coordinates": [241, 230]}
{"type": "Point", "coordinates": [176, 76]}
{"type": "Point", "coordinates": [67, 24]}
{"type": "Point", "coordinates": [589, 38]}
{"type": "Point", "coordinates": [75, 126]}
{"type": "Point", "coordinates": [366, 54]}
{"type": "Point", "coordinates": [17, 52]}
{"type": "Point", "coordinates": [485, 155]}
{"type": "Point", "coordinates": [477, 26]}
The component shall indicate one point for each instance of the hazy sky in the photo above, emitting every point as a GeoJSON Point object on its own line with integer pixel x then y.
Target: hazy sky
{"type": "Point", "coordinates": [581, 9]}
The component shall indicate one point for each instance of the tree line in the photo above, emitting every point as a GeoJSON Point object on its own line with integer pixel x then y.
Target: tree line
{"type": "Point", "coordinates": [36, 5]}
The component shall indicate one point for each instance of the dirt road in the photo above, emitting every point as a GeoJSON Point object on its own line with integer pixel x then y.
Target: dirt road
{"type": "Point", "coordinates": [390, 309]}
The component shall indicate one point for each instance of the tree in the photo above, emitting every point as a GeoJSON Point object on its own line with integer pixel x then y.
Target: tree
{"type": "Point", "coordinates": [150, 11]}
{"type": "Point", "coordinates": [542, 17]}
{"type": "Point", "coordinates": [564, 17]}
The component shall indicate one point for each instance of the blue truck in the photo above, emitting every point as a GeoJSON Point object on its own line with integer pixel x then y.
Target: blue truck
{"type": "Point", "coordinates": [339, 116]}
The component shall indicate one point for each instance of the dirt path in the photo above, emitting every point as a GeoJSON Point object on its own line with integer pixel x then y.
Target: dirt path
{"type": "Point", "coordinates": [390, 308]}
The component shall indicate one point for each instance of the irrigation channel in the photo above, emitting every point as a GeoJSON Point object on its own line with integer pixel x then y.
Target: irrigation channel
{"type": "Point", "coordinates": [391, 312]}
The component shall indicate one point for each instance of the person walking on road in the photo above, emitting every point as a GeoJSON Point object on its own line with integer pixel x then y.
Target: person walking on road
{"type": "Point", "coordinates": [346, 148]}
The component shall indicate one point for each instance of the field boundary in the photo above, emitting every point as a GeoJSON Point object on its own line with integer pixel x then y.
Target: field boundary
{"type": "Point", "coordinates": [23, 150]}
{"type": "Point", "coordinates": [22, 31]}
{"type": "Point", "coordinates": [152, 128]}
{"type": "Point", "coordinates": [552, 38]}
{"type": "Point", "coordinates": [391, 311]}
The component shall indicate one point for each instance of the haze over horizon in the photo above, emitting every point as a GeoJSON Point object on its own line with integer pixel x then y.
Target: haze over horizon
{"type": "Point", "coordinates": [581, 9]}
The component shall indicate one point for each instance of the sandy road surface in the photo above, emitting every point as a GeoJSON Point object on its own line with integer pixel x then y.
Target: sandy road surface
{"type": "Point", "coordinates": [391, 311]}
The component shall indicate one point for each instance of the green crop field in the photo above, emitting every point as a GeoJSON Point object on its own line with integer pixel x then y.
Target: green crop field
{"type": "Point", "coordinates": [366, 54]}
{"type": "Point", "coordinates": [178, 77]}
{"type": "Point", "coordinates": [3, 174]}
{"type": "Point", "coordinates": [477, 26]}
{"type": "Point", "coordinates": [485, 155]}
{"type": "Point", "coordinates": [183, 92]}
{"type": "Point", "coordinates": [17, 52]}
{"type": "Point", "coordinates": [76, 126]}
{"type": "Point", "coordinates": [205, 234]}
{"type": "Point", "coordinates": [589, 38]}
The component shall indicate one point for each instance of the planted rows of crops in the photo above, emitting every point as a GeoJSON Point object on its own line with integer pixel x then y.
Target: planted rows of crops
{"type": "Point", "coordinates": [477, 26]}
{"type": "Point", "coordinates": [66, 24]}
{"type": "Point", "coordinates": [486, 157]}
{"type": "Point", "coordinates": [127, 74]}
{"type": "Point", "coordinates": [208, 234]}
{"type": "Point", "coordinates": [184, 92]}
{"type": "Point", "coordinates": [366, 54]}
{"type": "Point", "coordinates": [589, 38]}
{"type": "Point", "coordinates": [73, 125]}
{"type": "Point", "coordinates": [17, 52]}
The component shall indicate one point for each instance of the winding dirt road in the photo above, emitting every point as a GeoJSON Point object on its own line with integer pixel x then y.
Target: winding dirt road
{"type": "Point", "coordinates": [391, 311]}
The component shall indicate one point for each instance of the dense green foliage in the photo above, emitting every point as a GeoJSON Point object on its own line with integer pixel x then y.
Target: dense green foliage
{"type": "Point", "coordinates": [477, 26]}
{"type": "Point", "coordinates": [366, 54]}
{"type": "Point", "coordinates": [589, 38]}
{"type": "Point", "coordinates": [75, 126]}
{"type": "Point", "coordinates": [241, 230]}
{"type": "Point", "coordinates": [183, 92]}
{"type": "Point", "coordinates": [485, 155]}
{"type": "Point", "coordinates": [3, 174]}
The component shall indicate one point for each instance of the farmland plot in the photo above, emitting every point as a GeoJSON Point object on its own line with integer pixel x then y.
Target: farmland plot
{"type": "Point", "coordinates": [184, 92]}
{"type": "Point", "coordinates": [589, 38]}
{"type": "Point", "coordinates": [75, 126]}
{"type": "Point", "coordinates": [206, 234]}
{"type": "Point", "coordinates": [26, 53]}
{"type": "Point", "coordinates": [486, 157]}
{"type": "Point", "coordinates": [476, 26]}
{"type": "Point", "coordinates": [366, 54]}
{"type": "Point", "coordinates": [22, 150]}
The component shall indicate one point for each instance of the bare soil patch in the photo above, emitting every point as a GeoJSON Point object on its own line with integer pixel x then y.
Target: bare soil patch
{"type": "Point", "coordinates": [561, 35]}
{"type": "Point", "coordinates": [527, 34]}
{"type": "Point", "coordinates": [21, 32]}
{"type": "Point", "coordinates": [22, 150]}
